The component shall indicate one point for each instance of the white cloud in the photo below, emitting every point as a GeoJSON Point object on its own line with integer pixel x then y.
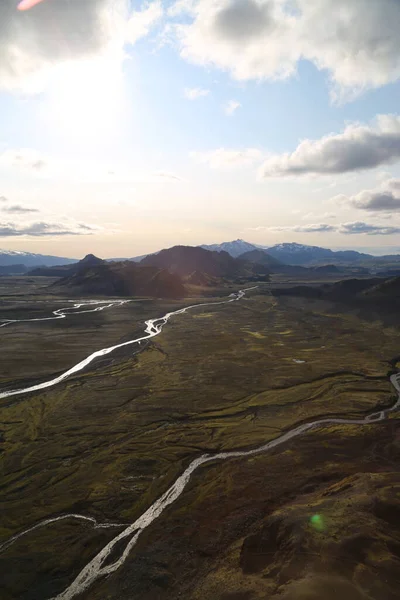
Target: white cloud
{"type": "Point", "coordinates": [25, 159]}
{"type": "Point", "coordinates": [359, 147]}
{"type": "Point", "coordinates": [385, 198]}
{"type": "Point", "coordinates": [312, 215]}
{"type": "Point", "coordinates": [181, 7]}
{"type": "Point", "coordinates": [223, 157]}
{"type": "Point", "coordinates": [231, 107]}
{"type": "Point", "coordinates": [310, 228]}
{"type": "Point", "coordinates": [142, 21]}
{"type": "Point", "coordinates": [355, 41]}
{"type": "Point", "coordinates": [195, 93]}
{"type": "Point", "coordinates": [31, 162]}
{"type": "Point", "coordinates": [35, 42]}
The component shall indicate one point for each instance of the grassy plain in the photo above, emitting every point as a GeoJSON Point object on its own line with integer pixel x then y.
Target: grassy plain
{"type": "Point", "coordinates": [107, 442]}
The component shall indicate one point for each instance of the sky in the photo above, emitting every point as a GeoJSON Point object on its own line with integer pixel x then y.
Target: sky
{"type": "Point", "coordinates": [126, 127]}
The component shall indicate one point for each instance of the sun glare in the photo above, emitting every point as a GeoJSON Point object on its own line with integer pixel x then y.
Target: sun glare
{"type": "Point", "coordinates": [27, 4]}
{"type": "Point", "coordinates": [85, 99]}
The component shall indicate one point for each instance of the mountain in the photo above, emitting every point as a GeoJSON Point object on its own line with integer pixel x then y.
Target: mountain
{"type": "Point", "coordinates": [235, 248]}
{"type": "Point", "coordinates": [298, 254]}
{"type": "Point", "coordinates": [122, 279]}
{"type": "Point", "coordinates": [372, 298]}
{"type": "Point", "coordinates": [28, 259]}
{"type": "Point", "coordinates": [262, 258]}
{"type": "Point", "coordinates": [184, 260]}
{"type": "Point", "coordinates": [67, 270]}
{"type": "Point", "coordinates": [13, 269]}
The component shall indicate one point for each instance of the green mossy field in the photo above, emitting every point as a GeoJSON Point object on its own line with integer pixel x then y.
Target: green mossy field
{"type": "Point", "coordinates": [111, 439]}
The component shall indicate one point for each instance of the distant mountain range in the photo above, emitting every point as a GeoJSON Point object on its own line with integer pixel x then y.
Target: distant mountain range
{"type": "Point", "coordinates": [289, 254]}
{"type": "Point", "coordinates": [162, 275]}
{"type": "Point", "coordinates": [235, 248]}
{"type": "Point", "coordinates": [28, 259]}
{"type": "Point", "coordinates": [310, 256]}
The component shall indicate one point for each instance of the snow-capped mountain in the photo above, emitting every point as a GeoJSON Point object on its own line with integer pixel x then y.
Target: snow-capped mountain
{"type": "Point", "coordinates": [234, 248]}
{"type": "Point", "coordinates": [299, 254]}
{"type": "Point", "coordinates": [29, 259]}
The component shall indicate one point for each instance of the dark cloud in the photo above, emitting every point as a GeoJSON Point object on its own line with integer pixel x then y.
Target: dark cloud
{"type": "Point", "coordinates": [367, 228]}
{"type": "Point", "coordinates": [385, 198]}
{"type": "Point", "coordinates": [358, 148]}
{"type": "Point", "coordinates": [378, 201]}
{"type": "Point", "coordinates": [41, 229]}
{"type": "Point", "coordinates": [243, 19]}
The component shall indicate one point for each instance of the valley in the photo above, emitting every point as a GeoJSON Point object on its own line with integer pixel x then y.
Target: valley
{"type": "Point", "coordinates": [107, 442]}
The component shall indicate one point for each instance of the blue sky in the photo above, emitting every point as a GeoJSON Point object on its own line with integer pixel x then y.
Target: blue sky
{"type": "Point", "coordinates": [128, 126]}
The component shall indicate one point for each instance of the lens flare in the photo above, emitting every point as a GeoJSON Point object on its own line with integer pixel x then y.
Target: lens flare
{"type": "Point", "coordinates": [27, 4]}
{"type": "Point", "coordinates": [317, 522]}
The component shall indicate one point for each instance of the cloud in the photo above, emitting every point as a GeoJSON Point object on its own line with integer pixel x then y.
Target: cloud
{"type": "Point", "coordinates": [356, 43]}
{"type": "Point", "coordinates": [358, 148]}
{"type": "Point", "coordinates": [195, 93]}
{"type": "Point", "coordinates": [311, 228]}
{"type": "Point", "coordinates": [55, 32]}
{"type": "Point", "coordinates": [43, 229]}
{"type": "Point", "coordinates": [385, 198]}
{"type": "Point", "coordinates": [24, 159]}
{"type": "Point", "coordinates": [31, 162]}
{"type": "Point", "coordinates": [19, 209]}
{"type": "Point", "coordinates": [358, 227]}
{"type": "Point", "coordinates": [142, 21]}
{"type": "Point", "coordinates": [222, 157]}
{"type": "Point", "coordinates": [367, 228]}
{"type": "Point", "coordinates": [231, 107]}
{"type": "Point", "coordinates": [15, 208]}
{"type": "Point", "coordinates": [165, 176]}
{"type": "Point", "coordinates": [312, 215]}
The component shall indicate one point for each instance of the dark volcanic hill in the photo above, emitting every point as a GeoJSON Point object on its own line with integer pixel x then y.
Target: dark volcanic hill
{"type": "Point", "coordinates": [123, 279]}
{"type": "Point", "coordinates": [67, 270]}
{"type": "Point", "coordinates": [262, 257]}
{"type": "Point", "coordinates": [185, 260]}
{"type": "Point", "coordinates": [375, 298]}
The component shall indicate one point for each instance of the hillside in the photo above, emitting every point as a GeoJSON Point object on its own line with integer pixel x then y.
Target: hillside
{"type": "Point", "coordinates": [67, 270]}
{"type": "Point", "coordinates": [374, 297]}
{"type": "Point", "coordinates": [123, 279]}
{"type": "Point", "coordinates": [184, 260]}
{"type": "Point", "coordinates": [262, 257]}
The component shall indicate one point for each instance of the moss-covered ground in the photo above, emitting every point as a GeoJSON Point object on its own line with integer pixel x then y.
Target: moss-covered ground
{"type": "Point", "coordinates": [108, 441]}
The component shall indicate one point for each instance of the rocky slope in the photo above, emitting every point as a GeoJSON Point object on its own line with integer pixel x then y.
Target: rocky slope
{"type": "Point", "coordinates": [123, 279]}
{"type": "Point", "coordinates": [184, 260]}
